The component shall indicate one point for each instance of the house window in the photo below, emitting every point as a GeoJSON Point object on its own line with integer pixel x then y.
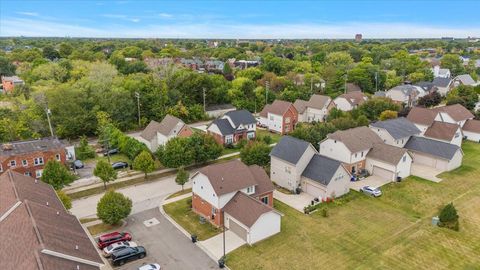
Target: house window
{"type": "Point", "coordinates": [38, 173]}
{"type": "Point", "coordinates": [271, 117]}
{"type": "Point", "coordinates": [457, 134]}
{"type": "Point", "coordinates": [57, 156]}
{"type": "Point", "coordinates": [287, 170]}
{"type": "Point", "coordinates": [1, 168]}
{"type": "Point", "coordinates": [335, 141]}
{"type": "Point", "coordinates": [287, 120]}
{"type": "Point", "coordinates": [229, 140]}
{"type": "Point", "coordinates": [362, 154]}
{"type": "Point", "coordinates": [404, 158]}
{"type": "Point", "coordinates": [38, 161]}
{"type": "Point", "coordinates": [13, 163]}
{"type": "Point", "coordinates": [265, 200]}
{"type": "Point", "coordinates": [356, 154]}
{"type": "Point", "coordinates": [24, 163]}
{"type": "Point", "coordinates": [213, 210]}
{"type": "Point", "coordinates": [250, 190]}
{"type": "Point", "coordinates": [28, 174]}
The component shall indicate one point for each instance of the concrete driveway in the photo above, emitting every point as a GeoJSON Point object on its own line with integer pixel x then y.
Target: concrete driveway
{"type": "Point", "coordinates": [296, 201]}
{"type": "Point", "coordinates": [214, 245]}
{"type": "Point", "coordinates": [372, 180]}
{"type": "Point", "coordinates": [164, 243]}
{"type": "Point", "coordinates": [426, 172]}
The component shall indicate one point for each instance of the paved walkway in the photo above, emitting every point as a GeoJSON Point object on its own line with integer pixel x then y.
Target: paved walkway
{"type": "Point", "coordinates": [215, 244]}
{"type": "Point", "coordinates": [295, 201]}
{"type": "Point", "coordinates": [426, 172]}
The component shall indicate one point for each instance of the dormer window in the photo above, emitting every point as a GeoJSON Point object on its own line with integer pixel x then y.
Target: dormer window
{"type": "Point", "coordinates": [250, 190]}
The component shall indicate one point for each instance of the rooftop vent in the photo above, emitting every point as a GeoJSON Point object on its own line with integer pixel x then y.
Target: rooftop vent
{"type": "Point", "coordinates": [47, 203]}
{"type": "Point", "coordinates": [58, 213]}
{"type": "Point", "coordinates": [76, 247]}
{"type": "Point", "coordinates": [7, 146]}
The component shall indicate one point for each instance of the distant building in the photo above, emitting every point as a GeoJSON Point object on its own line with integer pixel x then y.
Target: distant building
{"type": "Point", "coordinates": [9, 83]}
{"type": "Point", "coordinates": [157, 134]}
{"type": "Point", "coordinates": [219, 110]}
{"type": "Point", "coordinates": [358, 38]}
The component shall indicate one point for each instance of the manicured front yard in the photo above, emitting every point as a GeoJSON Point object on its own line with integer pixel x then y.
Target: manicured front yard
{"type": "Point", "coordinates": [179, 193]}
{"type": "Point", "coordinates": [180, 211]}
{"type": "Point", "coordinates": [275, 136]}
{"type": "Point", "coordinates": [390, 232]}
{"type": "Point", "coordinates": [102, 228]}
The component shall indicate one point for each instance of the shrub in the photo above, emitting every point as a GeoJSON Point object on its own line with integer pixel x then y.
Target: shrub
{"type": "Point", "coordinates": [448, 217]}
{"type": "Point", "coordinates": [324, 212]}
{"type": "Point", "coordinates": [84, 151]}
{"type": "Point", "coordinates": [267, 139]}
{"type": "Point", "coordinates": [56, 174]}
{"type": "Point", "coordinates": [66, 200]}
{"type": "Point", "coordinates": [189, 202]}
{"type": "Point", "coordinates": [256, 152]}
{"type": "Point", "coordinates": [113, 207]}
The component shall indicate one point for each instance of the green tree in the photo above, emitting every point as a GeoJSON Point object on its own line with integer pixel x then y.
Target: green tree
{"type": "Point", "coordinates": [176, 153]}
{"type": "Point", "coordinates": [65, 49]}
{"type": "Point", "coordinates": [66, 200]}
{"type": "Point", "coordinates": [388, 114]}
{"type": "Point", "coordinates": [373, 107]}
{"type": "Point", "coordinates": [56, 174]}
{"type": "Point", "coordinates": [182, 177]}
{"type": "Point", "coordinates": [50, 53]}
{"type": "Point", "coordinates": [144, 162]}
{"type": "Point", "coordinates": [84, 150]}
{"type": "Point", "coordinates": [256, 152]}
{"type": "Point", "coordinates": [204, 147]}
{"type": "Point", "coordinates": [113, 207]}
{"type": "Point", "coordinates": [454, 63]}
{"type": "Point", "coordinates": [448, 217]}
{"type": "Point", "coordinates": [105, 172]}
{"type": "Point", "coordinates": [6, 67]}
{"type": "Point", "coordinates": [430, 100]}
{"type": "Point", "coordinates": [464, 95]}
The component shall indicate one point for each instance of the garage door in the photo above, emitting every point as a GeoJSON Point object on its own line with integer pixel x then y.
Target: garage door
{"type": "Point", "coordinates": [313, 190]}
{"type": "Point", "coordinates": [424, 160]}
{"type": "Point", "coordinates": [237, 229]}
{"type": "Point", "coordinates": [383, 173]}
{"type": "Point", "coordinates": [441, 165]}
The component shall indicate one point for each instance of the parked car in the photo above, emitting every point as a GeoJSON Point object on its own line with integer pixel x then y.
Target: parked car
{"type": "Point", "coordinates": [78, 164]}
{"type": "Point", "coordinates": [150, 266]}
{"type": "Point", "coordinates": [128, 254]}
{"type": "Point", "coordinates": [372, 191]}
{"type": "Point", "coordinates": [114, 237]}
{"type": "Point", "coordinates": [119, 165]}
{"type": "Point", "coordinates": [111, 152]}
{"type": "Point", "coordinates": [107, 252]}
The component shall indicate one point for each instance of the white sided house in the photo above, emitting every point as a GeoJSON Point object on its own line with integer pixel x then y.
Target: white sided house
{"type": "Point", "coordinates": [445, 132]}
{"type": "Point", "coordinates": [406, 94]}
{"type": "Point", "coordinates": [314, 110]}
{"type": "Point", "coordinates": [157, 134]}
{"type": "Point", "coordinates": [435, 154]}
{"type": "Point", "coordinates": [471, 130]}
{"type": "Point", "coordinates": [395, 132]}
{"type": "Point", "coordinates": [349, 101]}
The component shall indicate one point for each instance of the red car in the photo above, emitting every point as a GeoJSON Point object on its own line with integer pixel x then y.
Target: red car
{"type": "Point", "coordinates": [108, 239]}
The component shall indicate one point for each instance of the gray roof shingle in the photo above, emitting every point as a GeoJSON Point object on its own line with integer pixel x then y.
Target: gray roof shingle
{"type": "Point", "coordinates": [432, 147]}
{"type": "Point", "coordinates": [441, 82]}
{"type": "Point", "coordinates": [321, 169]}
{"type": "Point", "coordinates": [290, 149]}
{"type": "Point", "coordinates": [241, 117]}
{"type": "Point", "coordinates": [224, 126]}
{"type": "Point", "coordinates": [398, 128]}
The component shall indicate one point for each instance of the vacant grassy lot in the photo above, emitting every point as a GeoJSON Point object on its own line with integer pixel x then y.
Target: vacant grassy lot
{"type": "Point", "coordinates": [263, 132]}
{"type": "Point", "coordinates": [180, 211]}
{"type": "Point", "coordinates": [391, 232]}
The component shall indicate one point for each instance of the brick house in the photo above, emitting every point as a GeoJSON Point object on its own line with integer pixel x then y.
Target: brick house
{"type": "Point", "coordinates": [233, 126]}
{"type": "Point", "coordinates": [30, 157]}
{"type": "Point", "coordinates": [9, 83]}
{"type": "Point", "coordinates": [239, 195]}
{"type": "Point", "coordinates": [280, 117]}
{"type": "Point", "coordinates": [156, 134]}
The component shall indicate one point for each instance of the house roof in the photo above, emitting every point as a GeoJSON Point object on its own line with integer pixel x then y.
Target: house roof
{"type": "Point", "coordinates": [356, 139]}
{"type": "Point", "coordinates": [422, 116]}
{"type": "Point", "coordinates": [472, 126]}
{"type": "Point", "coordinates": [406, 89]}
{"type": "Point", "coordinates": [150, 131]}
{"type": "Point", "coordinates": [11, 79]}
{"type": "Point", "coordinates": [23, 147]}
{"type": "Point", "coordinates": [456, 111]}
{"type": "Point", "coordinates": [354, 98]}
{"type": "Point", "coordinates": [380, 94]}
{"type": "Point", "coordinates": [442, 131]}
{"type": "Point", "coordinates": [321, 169]}
{"type": "Point", "coordinates": [465, 79]}
{"type": "Point", "coordinates": [432, 147]}
{"type": "Point", "coordinates": [386, 153]}
{"type": "Point", "coordinates": [246, 209]}
{"type": "Point", "coordinates": [290, 149]}
{"type": "Point", "coordinates": [351, 87]}
{"type": "Point", "coordinates": [168, 124]}
{"type": "Point", "coordinates": [231, 176]}
{"type": "Point", "coordinates": [224, 126]}
{"type": "Point", "coordinates": [278, 107]}
{"type": "Point", "coordinates": [426, 86]}
{"type": "Point", "coordinates": [264, 184]}
{"type": "Point", "coordinates": [441, 82]}
{"type": "Point", "coordinates": [241, 117]}
{"type": "Point", "coordinates": [32, 226]}
{"type": "Point", "coordinates": [318, 101]}
{"type": "Point", "coordinates": [300, 105]}
{"type": "Point", "coordinates": [220, 107]}
{"type": "Point", "coordinates": [398, 128]}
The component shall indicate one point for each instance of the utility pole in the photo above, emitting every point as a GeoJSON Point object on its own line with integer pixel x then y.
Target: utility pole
{"type": "Point", "coordinates": [204, 104]}
{"type": "Point", "coordinates": [311, 85]}
{"type": "Point", "coordinates": [346, 77]}
{"type": "Point", "coordinates": [137, 95]}
{"type": "Point", "coordinates": [49, 121]}
{"type": "Point", "coordinates": [267, 85]}
{"type": "Point", "coordinates": [376, 81]}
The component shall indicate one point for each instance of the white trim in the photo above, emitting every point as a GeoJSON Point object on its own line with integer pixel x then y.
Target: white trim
{"type": "Point", "coordinates": [71, 258]}
{"type": "Point", "coordinates": [4, 216]}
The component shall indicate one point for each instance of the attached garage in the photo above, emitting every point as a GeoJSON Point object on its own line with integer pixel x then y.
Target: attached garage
{"type": "Point", "coordinates": [237, 229]}
{"type": "Point", "coordinates": [388, 162]}
{"type": "Point", "coordinates": [430, 161]}
{"type": "Point", "coordinates": [312, 188]}
{"type": "Point", "coordinates": [383, 173]}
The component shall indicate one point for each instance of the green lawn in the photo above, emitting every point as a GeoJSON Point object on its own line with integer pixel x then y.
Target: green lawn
{"type": "Point", "coordinates": [180, 211]}
{"type": "Point", "coordinates": [275, 136]}
{"type": "Point", "coordinates": [390, 232]}
{"type": "Point", "coordinates": [179, 193]}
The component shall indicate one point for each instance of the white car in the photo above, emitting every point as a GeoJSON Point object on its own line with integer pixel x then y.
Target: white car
{"type": "Point", "coordinates": [107, 252]}
{"type": "Point", "coordinates": [372, 191]}
{"type": "Point", "coordinates": [150, 266]}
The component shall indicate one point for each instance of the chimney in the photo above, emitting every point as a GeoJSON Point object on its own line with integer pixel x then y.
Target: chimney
{"type": "Point", "coordinates": [7, 146]}
{"type": "Point", "coordinates": [47, 203]}
{"type": "Point", "coordinates": [58, 213]}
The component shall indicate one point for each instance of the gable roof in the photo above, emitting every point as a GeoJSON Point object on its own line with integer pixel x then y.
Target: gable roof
{"type": "Point", "coordinates": [150, 131]}
{"type": "Point", "coordinates": [386, 153]}
{"type": "Point", "coordinates": [168, 124]}
{"type": "Point", "coordinates": [441, 82]}
{"type": "Point", "coordinates": [354, 98]}
{"type": "Point", "coordinates": [246, 209]}
{"type": "Point", "coordinates": [30, 146]}
{"type": "Point", "coordinates": [278, 107]}
{"type": "Point", "coordinates": [465, 79]}
{"type": "Point", "coordinates": [356, 139]}
{"type": "Point", "coordinates": [318, 101]}
{"type": "Point", "coordinates": [321, 169]}
{"type": "Point", "coordinates": [432, 147]}
{"type": "Point", "coordinates": [426, 86]}
{"type": "Point", "coordinates": [442, 131]}
{"type": "Point", "coordinates": [456, 111]}
{"type": "Point", "coordinates": [224, 126]}
{"type": "Point", "coordinates": [423, 116]}
{"type": "Point", "coordinates": [264, 184]}
{"type": "Point", "coordinates": [231, 176]}
{"type": "Point", "coordinates": [351, 87]}
{"type": "Point", "coordinates": [406, 89]}
{"type": "Point", "coordinates": [300, 105]}
{"type": "Point", "coordinates": [398, 128]}
{"type": "Point", "coordinates": [472, 126]}
{"type": "Point", "coordinates": [290, 149]}
{"type": "Point", "coordinates": [241, 117]}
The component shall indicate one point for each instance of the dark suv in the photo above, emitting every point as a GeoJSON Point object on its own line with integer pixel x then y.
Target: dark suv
{"type": "Point", "coordinates": [108, 239]}
{"type": "Point", "coordinates": [128, 254]}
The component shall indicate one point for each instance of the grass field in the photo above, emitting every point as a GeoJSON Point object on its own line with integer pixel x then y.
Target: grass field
{"type": "Point", "coordinates": [179, 193]}
{"type": "Point", "coordinates": [275, 136]}
{"type": "Point", "coordinates": [390, 232]}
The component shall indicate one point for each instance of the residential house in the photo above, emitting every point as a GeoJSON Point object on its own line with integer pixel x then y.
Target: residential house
{"type": "Point", "coordinates": [233, 126]}
{"type": "Point", "coordinates": [428, 87]}
{"type": "Point", "coordinates": [445, 132]}
{"type": "Point", "coordinates": [471, 130]}
{"type": "Point", "coordinates": [296, 164]}
{"type": "Point", "coordinates": [351, 87]}
{"type": "Point", "coordinates": [280, 116]}
{"type": "Point", "coordinates": [406, 94]}
{"type": "Point", "coordinates": [349, 101]}
{"type": "Point", "coordinates": [215, 111]}
{"type": "Point", "coordinates": [314, 110]}
{"type": "Point", "coordinates": [443, 85]}
{"type": "Point", "coordinates": [239, 196]}
{"type": "Point", "coordinates": [29, 157]}
{"type": "Point", "coordinates": [10, 82]}
{"type": "Point", "coordinates": [435, 154]}
{"type": "Point", "coordinates": [361, 149]}
{"type": "Point", "coordinates": [423, 118]}
{"type": "Point", "coordinates": [464, 79]}
{"type": "Point", "coordinates": [157, 134]}
{"type": "Point", "coordinates": [37, 231]}
{"type": "Point", "coordinates": [441, 72]}
{"type": "Point", "coordinates": [396, 131]}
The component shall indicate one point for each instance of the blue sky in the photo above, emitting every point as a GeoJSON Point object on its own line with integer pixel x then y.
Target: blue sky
{"type": "Point", "coordinates": [240, 19]}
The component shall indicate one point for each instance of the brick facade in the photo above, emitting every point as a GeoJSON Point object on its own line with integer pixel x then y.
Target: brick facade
{"type": "Point", "coordinates": [25, 163]}
{"type": "Point", "coordinates": [358, 166]}
{"type": "Point", "coordinates": [269, 195]}
{"type": "Point", "coordinates": [204, 209]}
{"type": "Point", "coordinates": [186, 131]}
{"type": "Point", "coordinates": [292, 115]}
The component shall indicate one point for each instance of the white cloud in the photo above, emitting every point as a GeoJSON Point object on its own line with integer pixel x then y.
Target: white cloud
{"type": "Point", "coordinates": [37, 27]}
{"type": "Point", "coordinates": [165, 15]}
{"type": "Point", "coordinates": [26, 13]}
